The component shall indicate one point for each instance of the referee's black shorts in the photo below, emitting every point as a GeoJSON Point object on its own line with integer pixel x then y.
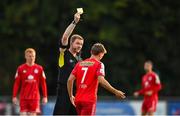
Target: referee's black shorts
{"type": "Point", "coordinates": [63, 105]}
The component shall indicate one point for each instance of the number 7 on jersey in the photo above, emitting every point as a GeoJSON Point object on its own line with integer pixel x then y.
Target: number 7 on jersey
{"type": "Point", "coordinates": [85, 69]}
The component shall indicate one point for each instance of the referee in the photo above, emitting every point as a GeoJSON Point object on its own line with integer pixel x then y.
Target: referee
{"type": "Point", "coordinates": [68, 57]}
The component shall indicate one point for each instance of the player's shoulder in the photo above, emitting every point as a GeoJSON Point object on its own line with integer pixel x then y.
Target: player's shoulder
{"type": "Point", "coordinates": [94, 61]}
{"type": "Point", "coordinates": [22, 66]}
{"type": "Point", "coordinates": [100, 63]}
{"type": "Point", "coordinates": [154, 74]}
{"type": "Point", "coordinates": [38, 66]}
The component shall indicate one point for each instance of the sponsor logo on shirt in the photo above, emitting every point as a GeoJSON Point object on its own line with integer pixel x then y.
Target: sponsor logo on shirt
{"type": "Point", "coordinates": [30, 77]}
{"type": "Point", "coordinates": [87, 63]}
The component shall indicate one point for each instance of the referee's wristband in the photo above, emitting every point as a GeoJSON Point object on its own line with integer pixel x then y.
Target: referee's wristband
{"type": "Point", "coordinates": [73, 22]}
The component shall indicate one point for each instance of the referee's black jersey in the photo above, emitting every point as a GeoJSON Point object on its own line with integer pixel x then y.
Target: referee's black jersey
{"type": "Point", "coordinates": [66, 64]}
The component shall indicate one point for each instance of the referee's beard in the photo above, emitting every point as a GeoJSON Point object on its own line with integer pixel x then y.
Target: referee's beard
{"type": "Point", "coordinates": [76, 50]}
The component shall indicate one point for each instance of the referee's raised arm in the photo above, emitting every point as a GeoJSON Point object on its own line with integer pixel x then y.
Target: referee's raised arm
{"type": "Point", "coordinates": [68, 31]}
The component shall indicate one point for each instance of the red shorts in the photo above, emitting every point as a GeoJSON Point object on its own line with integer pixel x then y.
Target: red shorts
{"type": "Point", "coordinates": [85, 108]}
{"type": "Point", "coordinates": [149, 105]}
{"type": "Point", "coordinates": [30, 106]}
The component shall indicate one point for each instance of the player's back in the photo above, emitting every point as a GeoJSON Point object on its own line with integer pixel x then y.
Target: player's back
{"type": "Point", "coordinates": [86, 73]}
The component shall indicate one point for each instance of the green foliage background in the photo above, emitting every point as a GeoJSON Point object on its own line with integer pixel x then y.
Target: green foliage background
{"type": "Point", "coordinates": [132, 31]}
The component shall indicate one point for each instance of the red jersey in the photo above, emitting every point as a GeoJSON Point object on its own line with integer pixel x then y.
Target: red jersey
{"type": "Point", "coordinates": [150, 82]}
{"type": "Point", "coordinates": [86, 73]}
{"type": "Point", "coordinates": [29, 79]}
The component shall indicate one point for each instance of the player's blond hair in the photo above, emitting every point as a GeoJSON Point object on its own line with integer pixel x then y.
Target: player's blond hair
{"type": "Point", "coordinates": [98, 48]}
{"type": "Point", "coordinates": [30, 50]}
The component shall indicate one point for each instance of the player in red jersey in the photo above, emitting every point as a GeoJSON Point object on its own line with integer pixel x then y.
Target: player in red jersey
{"type": "Point", "coordinates": [88, 74]}
{"type": "Point", "coordinates": [150, 88]}
{"type": "Point", "coordinates": [28, 78]}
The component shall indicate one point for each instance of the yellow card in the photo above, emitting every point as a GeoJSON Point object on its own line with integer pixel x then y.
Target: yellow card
{"type": "Point", "coordinates": [80, 10]}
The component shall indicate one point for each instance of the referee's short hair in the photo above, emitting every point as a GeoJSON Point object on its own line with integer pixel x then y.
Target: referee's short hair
{"type": "Point", "coordinates": [74, 37]}
{"type": "Point", "coordinates": [98, 48]}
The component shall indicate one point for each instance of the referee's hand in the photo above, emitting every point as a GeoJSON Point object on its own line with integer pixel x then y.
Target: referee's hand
{"type": "Point", "coordinates": [77, 17]}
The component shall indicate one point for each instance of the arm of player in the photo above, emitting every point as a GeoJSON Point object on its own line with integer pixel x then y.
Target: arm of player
{"type": "Point", "coordinates": [44, 88]}
{"type": "Point", "coordinates": [157, 87]}
{"type": "Point", "coordinates": [104, 83]}
{"type": "Point", "coordinates": [154, 88]}
{"type": "Point", "coordinates": [68, 31]}
{"type": "Point", "coordinates": [157, 84]}
{"type": "Point", "coordinates": [70, 84]}
{"type": "Point", "coordinates": [148, 91]}
{"type": "Point", "coordinates": [16, 88]}
{"type": "Point", "coordinates": [142, 92]}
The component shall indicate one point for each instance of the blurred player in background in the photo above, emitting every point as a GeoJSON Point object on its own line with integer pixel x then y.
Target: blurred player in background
{"type": "Point", "coordinates": [68, 58]}
{"type": "Point", "coordinates": [88, 74]}
{"type": "Point", "coordinates": [150, 88]}
{"type": "Point", "coordinates": [29, 77]}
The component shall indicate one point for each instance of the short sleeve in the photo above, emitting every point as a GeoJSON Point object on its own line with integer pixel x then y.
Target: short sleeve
{"type": "Point", "coordinates": [43, 73]}
{"type": "Point", "coordinates": [157, 80]}
{"type": "Point", "coordinates": [17, 75]}
{"type": "Point", "coordinates": [43, 82]}
{"type": "Point", "coordinates": [74, 71]}
{"type": "Point", "coordinates": [100, 70]}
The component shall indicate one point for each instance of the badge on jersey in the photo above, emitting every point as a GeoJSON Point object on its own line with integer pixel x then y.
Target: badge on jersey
{"type": "Point", "coordinates": [36, 71]}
